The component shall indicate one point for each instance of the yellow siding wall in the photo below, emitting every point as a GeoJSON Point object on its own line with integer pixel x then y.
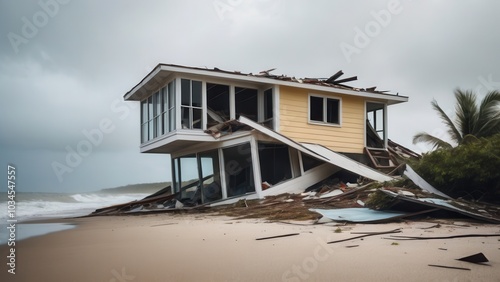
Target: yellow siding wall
{"type": "Point", "coordinates": [349, 138]}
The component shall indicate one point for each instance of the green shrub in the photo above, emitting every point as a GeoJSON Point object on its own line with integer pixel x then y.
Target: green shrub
{"type": "Point", "coordinates": [469, 170]}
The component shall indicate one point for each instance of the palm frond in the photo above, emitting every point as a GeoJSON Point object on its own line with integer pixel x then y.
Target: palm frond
{"type": "Point", "coordinates": [452, 129]}
{"type": "Point", "coordinates": [469, 138]}
{"type": "Point", "coordinates": [431, 140]}
{"type": "Point", "coordinates": [489, 115]}
{"type": "Point", "coordinates": [466, 111]}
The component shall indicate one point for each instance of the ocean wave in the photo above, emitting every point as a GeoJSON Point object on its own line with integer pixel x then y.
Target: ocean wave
{"type": "Point", "coordinates": [104, 198]}
{"type": "Point", "coordinates": [55, 205]}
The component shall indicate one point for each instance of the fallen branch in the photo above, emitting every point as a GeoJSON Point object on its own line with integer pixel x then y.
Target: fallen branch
{"type": "Point", "coordinates": [451, 267]}
{"type": "Point", "coordinates": [352, 246]}
{"type": "Point", "coordinates": [293, 223]}
{"type": "Point", "coordinates": [401, 237]}
{"type": "Point", "coordinates": [172, 223]}
{"type": "Point", "coordinates": [433, 226]}
{"type": "Point", "coordinates": [277, 236]}
{"type": "Point", "coordinates": [375, 233]}
{"type": "Point", "coordinates": [398, 230]}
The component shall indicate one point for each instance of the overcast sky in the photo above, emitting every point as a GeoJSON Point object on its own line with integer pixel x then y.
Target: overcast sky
{"type": "Point", "coordinates": [65, 66]}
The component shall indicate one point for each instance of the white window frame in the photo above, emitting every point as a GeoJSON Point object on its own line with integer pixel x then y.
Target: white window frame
{"type": "Point", "coordinates": [192, 108]}
{"type": "Point", "coordinates": [384, 124]}
{"type": "Point", "coordinates": [324, 122]}
{"type": "Point", "coordinates": [156, 115]}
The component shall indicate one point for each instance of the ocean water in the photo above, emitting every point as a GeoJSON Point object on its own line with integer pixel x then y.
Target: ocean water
{"type": "Point", "coordinates": [33, 206]}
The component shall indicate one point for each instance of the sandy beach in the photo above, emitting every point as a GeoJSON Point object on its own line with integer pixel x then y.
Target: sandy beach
{"type": "Point", "coordinates": [200, 247]}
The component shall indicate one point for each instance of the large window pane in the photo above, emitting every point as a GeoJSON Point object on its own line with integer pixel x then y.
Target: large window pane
{"type": "Point", "coordinates": [268, 108]}
{"type": "Point", "coordinates": [186, 117]}
{"type": "Point", "coordinates": [197, 120]}
{"type": "Point", "coordinates": [171, 114]}
{"type": "Point", "coordinates": [268, 104]}
{"type": "Point", "coordinates": [144, 132]}
{"type": "Point", "coordinates": [210, 173]}
{"type": "Point", "coordinates": [187, 177]}
{"type": "Point", "coordinates": [274, 163]}
{"type": "Point", "coordinates": [246, 103]}
{"type": "Point", "coordinates": [144, 111]}
{"type": "Point", "coordinates": [186, 92]}
{"type": "Point", "coordinates": [171, 104]}
{"type": "Point", "coordinates": [176, 175]}
{"type": "Point", "coordinates": [217, 104]}
{"type": "Point", "coordinates": [196, 98]}
{"type": "Point", "coordinates": [165, 99]}
{"type": "Point", "coordinates": [150, 129]}
{"type": "Point", "coordinates": [316, 108]}
{"type": "Point", "coordinates": [166, 124]}
{"type": "Point", "coordinates": [158, 103]}
{"type": "Point", "coordinates": [150, 108]}
{"type": "Point", "coordinates": [238, 168]}
{"type": "Point", "coordinates": [158, 126]}
{"type": "Point", "coordinates": [171, 94]}
{"type": "Point", "coordinates": [332, 111]}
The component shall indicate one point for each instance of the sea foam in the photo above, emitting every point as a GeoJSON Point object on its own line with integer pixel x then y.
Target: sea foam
{"type": "Point", "coordinates": [59, 205]}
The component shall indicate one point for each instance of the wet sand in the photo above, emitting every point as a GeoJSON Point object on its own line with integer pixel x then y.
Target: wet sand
{"type": "Point", "coordinates": [187, 247]}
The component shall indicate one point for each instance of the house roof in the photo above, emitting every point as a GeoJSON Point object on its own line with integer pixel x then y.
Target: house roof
{"type": "Point", "coordinates": [156, 79]}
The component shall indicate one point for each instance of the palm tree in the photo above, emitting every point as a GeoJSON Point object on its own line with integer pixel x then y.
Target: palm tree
{"type": "Point", "coordinates": [471, 122]}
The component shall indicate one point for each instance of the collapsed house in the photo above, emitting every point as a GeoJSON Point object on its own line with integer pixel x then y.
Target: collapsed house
{"type": "Point", "coordinates": [232, 135]}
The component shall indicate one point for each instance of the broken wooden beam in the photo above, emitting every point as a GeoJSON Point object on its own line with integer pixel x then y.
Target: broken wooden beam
{"type": "Point", "coordinates": [397, 230]}
{"type": "Point", "coordinates": [450, 267]}
{"type": "Point", "coordinates": [277, 236]}
{"type": "Point", "coordinates": [401, 237]}
{"type": "Point", "coordinates": [334, 77]}
{"type": "Point", "coordinates": [346, 80]}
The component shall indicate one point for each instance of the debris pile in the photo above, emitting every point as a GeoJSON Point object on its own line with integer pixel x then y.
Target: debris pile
{"type": "Point", "coordinates": [330, 200]}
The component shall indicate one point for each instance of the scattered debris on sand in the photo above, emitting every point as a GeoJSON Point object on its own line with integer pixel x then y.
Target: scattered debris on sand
{"type": "Point", "coordinates": [327, 201]}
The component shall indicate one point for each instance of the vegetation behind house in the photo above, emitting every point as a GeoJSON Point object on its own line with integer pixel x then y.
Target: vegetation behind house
{"type": "Point", "coordinates": [470, 170]}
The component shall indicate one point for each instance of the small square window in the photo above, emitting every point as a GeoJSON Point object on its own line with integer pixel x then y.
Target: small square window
{"type": "Point", "coordinates": [324, 110]}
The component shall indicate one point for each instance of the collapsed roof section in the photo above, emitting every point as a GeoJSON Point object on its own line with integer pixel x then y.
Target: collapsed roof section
{"type": "Point", "coordinates": [316, 151]}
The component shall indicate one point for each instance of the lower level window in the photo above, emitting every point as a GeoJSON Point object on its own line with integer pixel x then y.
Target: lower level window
{"type": "Point", "coordinates": [197, 177]}
{"type": "Point", "coordinates": [274, 163]}
{"type": "Point", "coordinates": [239, 171]}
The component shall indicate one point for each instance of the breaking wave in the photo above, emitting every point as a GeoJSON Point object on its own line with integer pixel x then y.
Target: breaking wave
{"type": "Point", "coordinates": [58, 205]}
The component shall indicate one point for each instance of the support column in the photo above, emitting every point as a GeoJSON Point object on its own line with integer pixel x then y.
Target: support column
{"type": "Point", "coordinates": [256, 167]}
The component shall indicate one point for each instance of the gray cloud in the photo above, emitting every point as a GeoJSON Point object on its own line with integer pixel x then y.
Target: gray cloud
{"type": "Point", "coordinates": [71, 74]}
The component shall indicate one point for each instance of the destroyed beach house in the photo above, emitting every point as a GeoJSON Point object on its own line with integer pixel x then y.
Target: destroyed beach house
{"type": "Point", "coordinates": [232, 135]}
